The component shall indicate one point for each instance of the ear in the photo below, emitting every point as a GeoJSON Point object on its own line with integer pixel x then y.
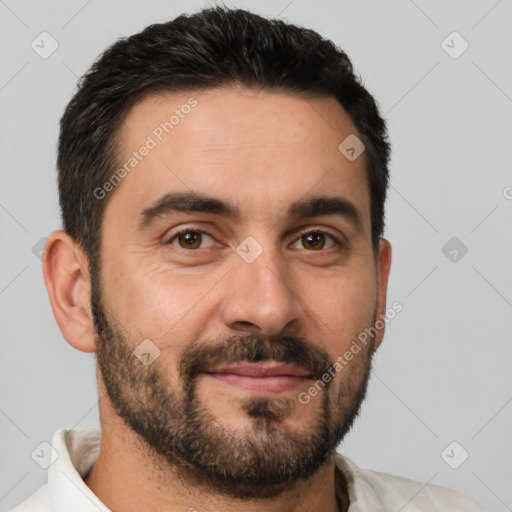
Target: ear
{"type": "Point", "coordinates": [67, 279]}
{"type": "Point", "coordinates": [383, 266]}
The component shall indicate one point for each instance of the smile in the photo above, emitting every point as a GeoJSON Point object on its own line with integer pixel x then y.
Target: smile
{"type": "Point", "coordinates": [268, 377]}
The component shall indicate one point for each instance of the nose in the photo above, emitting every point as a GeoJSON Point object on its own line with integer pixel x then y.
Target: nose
{"type": "Point", "coordinates": [260, 297]}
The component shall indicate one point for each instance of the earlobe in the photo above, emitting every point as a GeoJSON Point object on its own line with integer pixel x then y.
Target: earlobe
{"type": "Point", "coordinates": [383, 268]}
{"type": "Point", "coordinates": [66, 275]}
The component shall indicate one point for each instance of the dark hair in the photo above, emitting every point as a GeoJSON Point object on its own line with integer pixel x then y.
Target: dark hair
{"type": "Point", "coordinates": [210, 48]}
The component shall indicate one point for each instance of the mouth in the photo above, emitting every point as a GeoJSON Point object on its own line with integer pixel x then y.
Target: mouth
{"type": "Point", "coordinates": [267, 377]}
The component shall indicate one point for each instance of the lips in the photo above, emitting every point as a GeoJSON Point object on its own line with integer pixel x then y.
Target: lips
{"type": "Point", "coordinates": [268, 377]}
{"type": "Point", "coordinates": [266, 369]}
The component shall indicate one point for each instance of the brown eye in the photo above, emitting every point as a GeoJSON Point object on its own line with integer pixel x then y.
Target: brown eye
{"type": "Point", "coordinates": [316, 240]}
{"type": "Point", "coordinates": [189, 239]}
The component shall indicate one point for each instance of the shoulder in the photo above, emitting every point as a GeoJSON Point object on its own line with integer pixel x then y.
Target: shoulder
{"type": "Point", "coordinates": [38, 501]}
{"type": "Point", "coordinates": [392, 492]}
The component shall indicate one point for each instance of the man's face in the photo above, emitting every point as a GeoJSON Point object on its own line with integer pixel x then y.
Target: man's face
{"type": "Point", "coordinates": [243, 313]}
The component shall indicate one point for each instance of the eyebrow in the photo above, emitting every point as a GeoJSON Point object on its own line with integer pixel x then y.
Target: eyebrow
{"type": "Point", "coordinates": [191, 202]}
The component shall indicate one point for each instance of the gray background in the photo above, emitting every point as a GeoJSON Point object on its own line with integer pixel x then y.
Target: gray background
{"type": "Point", "coordinates": [443, 372]}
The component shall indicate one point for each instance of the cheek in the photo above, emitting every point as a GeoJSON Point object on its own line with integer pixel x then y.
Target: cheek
{"type": "Point", "coordinates": [160, 304]}
{"type": "Point", "coordinates": [345, 305]}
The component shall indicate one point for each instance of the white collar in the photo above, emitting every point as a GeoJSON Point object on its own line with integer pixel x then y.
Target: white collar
{"type": "Point", "coordinates": [78, 450]}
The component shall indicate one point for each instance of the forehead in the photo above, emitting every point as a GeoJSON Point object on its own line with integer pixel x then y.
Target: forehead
{"type": "Point", "coordinates": [256, 149]}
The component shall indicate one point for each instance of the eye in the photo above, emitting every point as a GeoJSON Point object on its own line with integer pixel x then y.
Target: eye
{"type": "Point", "coordinates": [316, 240]}
{"type": "Point", "coordinates": [313, 240]}
{"type": "Point", "coordinates": [189, 239]}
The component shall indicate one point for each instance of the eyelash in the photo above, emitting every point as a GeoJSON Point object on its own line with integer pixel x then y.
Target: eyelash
{"type": "Point", "coordinates": [337, 242]}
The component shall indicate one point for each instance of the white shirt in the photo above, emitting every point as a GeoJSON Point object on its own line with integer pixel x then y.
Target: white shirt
{"type": "Point", "coordinates": [369, 491]}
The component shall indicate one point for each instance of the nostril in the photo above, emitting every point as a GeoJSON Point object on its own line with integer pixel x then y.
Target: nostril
{"type": "Point", "coordinates": [244, 325]}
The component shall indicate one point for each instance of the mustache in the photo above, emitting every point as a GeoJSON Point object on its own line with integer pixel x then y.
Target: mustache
{"type": "Point", "coordinates": [202, 357]}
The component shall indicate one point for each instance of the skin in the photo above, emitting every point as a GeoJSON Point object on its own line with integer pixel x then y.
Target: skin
{"type": "Point", "coordinates": [261, 151]}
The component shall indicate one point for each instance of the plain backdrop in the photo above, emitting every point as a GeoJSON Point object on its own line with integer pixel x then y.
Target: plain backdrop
{"type": "Point", "coordinates": [442, 380]}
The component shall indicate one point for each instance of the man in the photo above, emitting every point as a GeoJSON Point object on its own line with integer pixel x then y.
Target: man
{"type": "Point", "coordinates": [222, 180]}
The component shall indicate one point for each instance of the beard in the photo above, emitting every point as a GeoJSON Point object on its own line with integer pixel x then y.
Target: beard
{"type": "Point", "coordinates": [177, 431]}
